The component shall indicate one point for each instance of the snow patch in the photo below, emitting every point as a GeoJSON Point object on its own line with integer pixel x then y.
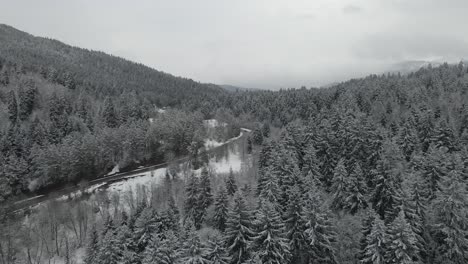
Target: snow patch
{"type": "Point", "coordinates": [145, 179]}
{"type": "Point", "coordinates": [115, 170]}
{"type": "Point", "coordinates": [212, 123]}
{"type": "Point", "coordinates": [211, 143]}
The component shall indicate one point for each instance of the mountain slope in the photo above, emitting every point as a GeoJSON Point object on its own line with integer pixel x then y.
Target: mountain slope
{"type": "Point", "coordinates": [99, 72]}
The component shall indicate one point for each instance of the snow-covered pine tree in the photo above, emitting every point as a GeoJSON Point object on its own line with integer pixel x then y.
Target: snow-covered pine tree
{"type": "Point", "coordinates": [270, 243]}
{"type": "Point", "coordinates": [239, 231]}
{"type": "Point", "coordinates": [401, 245]}
{"type": "Point", "coordinates": [92, 248]}
{"type": "Point", "coordinates": [356, 191]}
{"type": "Point", "coordinates": [339, 186]}
{"type": "Point", "coordinates": [231, 185]}
{"type": "Point", "coordinates": [193, 250]}
{"type": "Point", "coordinates": [270, 190]}
{"type": "Point", "coordinates": [191, 204]}
{"type": "Point", "coordinates": [451, 220]}
{"type": "Point", "coordinates": [221, 208]}
{"type": "Point", "coordinates": [295, 227]}
{"type": "Point", "coordinates": [320, 233]}
{"type": "Point", "coordinates": [216, 252]}
{"type": "Point", "coordinates": [375, 250]}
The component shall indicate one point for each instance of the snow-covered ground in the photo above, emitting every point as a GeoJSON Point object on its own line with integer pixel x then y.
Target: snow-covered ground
{"type": "Point", "coordinates": [212, 123]}
{"type": "Point", "coordinates": [144, 179]}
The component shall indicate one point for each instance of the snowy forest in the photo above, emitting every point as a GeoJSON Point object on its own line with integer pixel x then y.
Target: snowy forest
{"type": "Point", "coordinates": [372, 170]}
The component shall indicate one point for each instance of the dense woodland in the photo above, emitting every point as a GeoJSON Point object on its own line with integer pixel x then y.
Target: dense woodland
{"type": "Point", "coordinates": [372, 170]}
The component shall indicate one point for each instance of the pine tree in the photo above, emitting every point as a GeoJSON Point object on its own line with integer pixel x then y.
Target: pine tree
{"type": "Point", "coordinates": [356, 191]}
{"type": "Point", "coordinates": [386, 197]}
{"type": "Point", "coordinates": [221, 210]}
{"type": "Point", "coordinates": [206, 197]}
{"type": "Point", "coordinates": [433, 168]}
{"type": "Point", "coordinates": [375, 250]}
{"type": "Point", "coordinates": [27, 102]}
{"type": "Point", "coordinates": [108, 250]}
{"type": "Point", "coordinates": [231, 185]}
{"type": "Point", "coordinates": [270, 243]}
{"type": "Point", "coordinates": [192, 199]}
{"type": "Point", "coordinates": [295, 227]}
{"type": "Point", "coordinates": [269, 187]}
{"type": "Point", "coordinates": [162, 251]}
{"type": "Point", "coordinates": [173, 214]}
{"type": "Point", "coordinates": [239, 231]}
{"type": "Point", "coordinates": [366, 230]}
{"type": "Point", "coordinates": [194, 251]}
{"type": "Point", "coordinates": [12, 107]}
{"type": "Point", "coordinates": [93, 247]}
{"type": "Point", "coordinates": [401, 245]}
{"type": "Point", "coordinates": [443, 136]}
{"type": "Point", "coordinates": [408, 139]}
{"type": "Point", "coordinates": [311, 166]}
{"type": "Point", "coordinates": [339, 185]}
{"type": "Point", "coordinates": [319, 232]}
{"type": "Point", "coordinates": [451, 220]}
{"type": "Point", "coordinates": [108, 114]}
{"type": "Point", "coordinates": [216, 252]}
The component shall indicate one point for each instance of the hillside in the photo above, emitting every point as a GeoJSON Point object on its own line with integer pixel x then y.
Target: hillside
{"type": "Point", "coordinates": [99, 72]}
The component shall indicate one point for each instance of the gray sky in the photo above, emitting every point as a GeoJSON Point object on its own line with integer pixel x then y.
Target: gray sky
{"type": "Point", "coordinates": [255, 43]}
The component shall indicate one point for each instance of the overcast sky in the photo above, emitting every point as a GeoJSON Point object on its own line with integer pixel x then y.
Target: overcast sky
{"type": "Point", "coordinates": [254, 43]}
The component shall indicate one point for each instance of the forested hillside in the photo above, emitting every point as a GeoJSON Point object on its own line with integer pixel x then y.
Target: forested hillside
{"type": "Point", "coordinates": [372, 170]}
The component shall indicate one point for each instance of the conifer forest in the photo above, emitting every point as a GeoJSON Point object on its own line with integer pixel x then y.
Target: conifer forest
{"type": "Point", "coordinates": [108, 161]}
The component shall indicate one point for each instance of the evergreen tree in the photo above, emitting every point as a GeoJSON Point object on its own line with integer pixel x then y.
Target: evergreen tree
{"type": "Point", "coordinates": [366, 230]}
{"type": "Point", "coordinates": [231, 185]}
{"type": "Point", "coordinates": [295, 227]}
{"type": "Point", "coordinates": [221, 210]}
{"type": "Point", "coordinates": [173, 214]}
{"type": "Point", "coordinates": [451, 220]}
{"type": "Point", "coordinates": [443, 136]}
{"type": "Point", "coordinates": [339, 185]}
{"type": "Point", "coordinates": [191, 205]}
{"type": "Point", "coordinates": [239, 231]}
{"type": "Point", "coordinates": [216, 252]}
{"type": "Point", "coordinates": [401, 242]}
{"type": "Point", "coordinates": [408, 139]}
{"type": "Point", "coordinates": [386, 197]}
{"type": "Point", "coordinates": [375, 250]}
{"type": "Point", "coordinates": [108, 250]}
{"type": "Point", "coordinates": [12, 107]}
{"type": "Point", "coordinates": [93, 247]}
{"type": "Point", "coordinates": [194, 251]}
{"type": "Point", "coordinates": [320, 233]}
{"type": "Point", "coordinates": [356, 191]}
{"type": "Point", "coordinates": [108, 114]}
{"type": "Point", "coordinates": [310, 168]}
{"type": "Point", "coordinates": [27, 102]}
{"type": "Point", "coordinates": [270, 243]}
{"type": "Point", "coordinates": [269, 187]}
{"type": "Point", "coordinates": [163, 251]}
{"type": "Point", "coordinates": [206, 197]}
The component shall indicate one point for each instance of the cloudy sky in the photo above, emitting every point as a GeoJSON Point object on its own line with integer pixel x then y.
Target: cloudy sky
{"type": "Point", "coordinates": [255, 43]}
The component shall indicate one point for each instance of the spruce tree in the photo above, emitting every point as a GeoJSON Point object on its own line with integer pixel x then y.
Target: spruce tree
{"type": "Point", "coordinates": [319, 232]}
{"type": "Point", "coordinates": [366, 230]}
{"type": "Point", "coordinates": [206, 197]}
{"type": "Point", "coordinates": [216, 252]}
{"type": "Point", "coordinates": [269, 187]}
{"type": "Point", "coordinates": [239, 231]}
{"type": "Point", "coordinates": [295, 227]}
{"type": "Point", "coordinates": [193, 250]}
{"type": "Point", "coordinates": [109, 114]}
{"type": "Point", "coordinates": [108, 251]}
{"type": "Point", "coordinates": [12, 107]}
{"type": "Point", "coordinates": [191, 204]}
{"type": "Point", "coordinates": [401, 245]}
{"type": "Point", "coordinates": [451, 220]}
{"type": "Point", "coordinates": [339, 185]}
{"type": "Point", "coordinates": [221, 210]}
{"type": "Point", "coordinates": [270, 243]}
{"type": "Point", "coordinates": [92, 248]}
{"type": "Point", "coordinates": [231, 185]}
{"type": "Point", "coordinates": [356, 191]}
{"type": "Point", "coordinates": [375, 249]}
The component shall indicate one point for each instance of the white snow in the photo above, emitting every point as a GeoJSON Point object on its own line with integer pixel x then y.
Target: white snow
{"type": "Point", "coordinates": [144, 179]}
{"type": "Point", "coordinates": [232, 161]}
{"type": "Point", "coordinates": [114, 170]}
{"type": "Point", "coordinates": [212, 123]}
{"type": "Point", "coordinates": [211, 143]}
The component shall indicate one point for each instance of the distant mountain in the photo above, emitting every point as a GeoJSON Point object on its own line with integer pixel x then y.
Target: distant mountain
{"type": "Point", "coordinates": [98, 72]}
